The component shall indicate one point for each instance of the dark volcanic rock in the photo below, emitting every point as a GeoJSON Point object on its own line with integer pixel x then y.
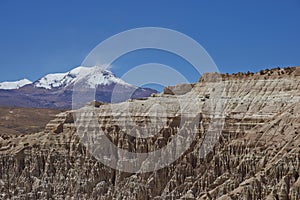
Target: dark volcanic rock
{"type": "Point", "coordinates": [61, 98]}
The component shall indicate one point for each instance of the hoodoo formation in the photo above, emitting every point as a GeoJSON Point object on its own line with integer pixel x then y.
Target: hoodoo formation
{"type": "Point", "coordinates": [255, 156]}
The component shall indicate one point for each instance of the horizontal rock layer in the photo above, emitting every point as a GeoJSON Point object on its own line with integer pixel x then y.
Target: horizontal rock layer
{"type": "Point", "coordinates": [245, 146]}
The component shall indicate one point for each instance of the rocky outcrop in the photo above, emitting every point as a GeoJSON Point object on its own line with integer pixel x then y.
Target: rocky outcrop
{"type": "Point", "coordinates": [179, 89]}
{"type": "Point", "coordinates": [275, 73]}
{"type": "Point", "coordinates": [56, 125]}
{"type": "Point", "coordinates": [256, 156]}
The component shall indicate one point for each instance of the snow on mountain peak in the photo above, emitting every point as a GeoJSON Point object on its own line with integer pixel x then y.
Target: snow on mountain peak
{"type": "Point", "coordinates": [10, 85]}
{"type": "Point", "coordinates": [93, 76]}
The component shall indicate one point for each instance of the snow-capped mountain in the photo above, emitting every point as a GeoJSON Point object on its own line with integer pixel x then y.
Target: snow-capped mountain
{"type": "Point", "coordinates": [14, 84]}
{"type": "Point", "coordinates": [56, 90]}
{"type": "Point", "coordinates": [92, 76]}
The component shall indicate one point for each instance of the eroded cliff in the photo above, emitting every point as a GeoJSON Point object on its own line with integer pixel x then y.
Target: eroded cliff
{"type": "Point", "coordinates": [256, 154]}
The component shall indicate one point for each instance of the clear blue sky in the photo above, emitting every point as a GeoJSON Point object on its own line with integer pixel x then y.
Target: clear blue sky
{"type": "Point", "coordinates": [41, 37]}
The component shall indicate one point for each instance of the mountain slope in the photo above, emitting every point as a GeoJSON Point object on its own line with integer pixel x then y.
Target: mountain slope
{"type": "Point", "coordinates": [14, 84]}
{"type": "Point", "coordinates": [55, 90]}
{"type": "Point", "coordinates": [93, 75]}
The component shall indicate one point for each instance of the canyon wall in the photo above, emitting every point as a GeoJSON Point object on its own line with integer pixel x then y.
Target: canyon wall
{"type": "Point", "coordinates": [241, 134]}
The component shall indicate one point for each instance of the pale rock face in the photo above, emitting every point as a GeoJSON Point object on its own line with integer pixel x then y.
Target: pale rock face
{"type": "Point", "coordinates": [256, 156]}
{"type": "Point", "coordinates": [179, 89]}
